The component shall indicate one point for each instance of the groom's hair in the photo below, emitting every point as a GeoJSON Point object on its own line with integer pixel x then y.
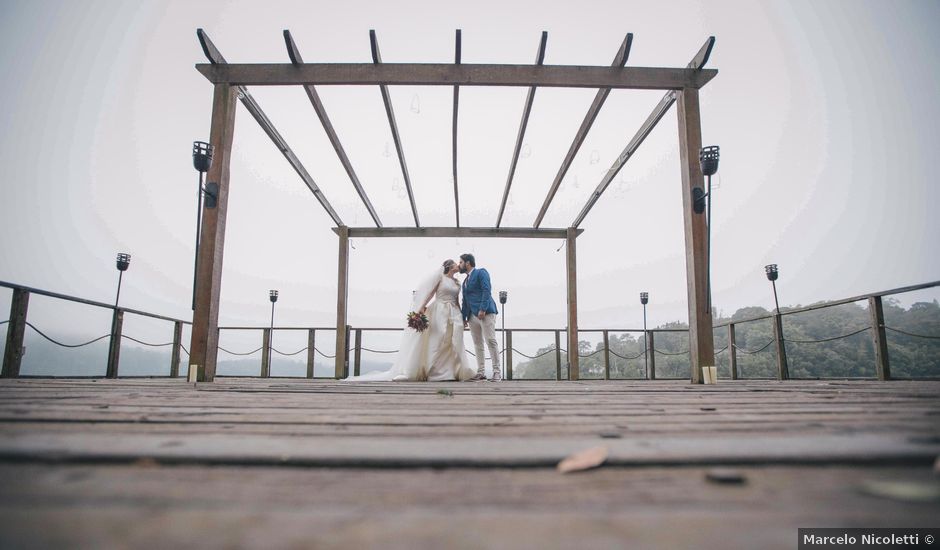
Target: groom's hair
{"type": "Point", "coordinates": [468, 258]}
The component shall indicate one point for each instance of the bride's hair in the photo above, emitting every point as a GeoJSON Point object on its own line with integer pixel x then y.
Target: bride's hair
{"type": "Point", "coordinates": [448, 264]}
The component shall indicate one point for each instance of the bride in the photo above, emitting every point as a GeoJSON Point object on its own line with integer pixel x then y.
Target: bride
{"type": "Point", "coordinates": [437, 353]}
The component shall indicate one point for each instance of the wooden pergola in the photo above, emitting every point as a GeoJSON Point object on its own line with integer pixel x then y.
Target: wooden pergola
{"type": "Point", "coordinates": [231, 83]}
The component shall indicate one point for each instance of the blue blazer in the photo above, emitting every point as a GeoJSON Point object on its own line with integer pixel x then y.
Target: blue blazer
{"type": "Point", "coordinates": [477, 294]}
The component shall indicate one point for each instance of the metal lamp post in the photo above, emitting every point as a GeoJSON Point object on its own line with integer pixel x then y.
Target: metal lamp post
{"type": "Point", "coordinates": [273, 295]}
{"type": "Point", "coordinates": [503, 298]}
{"type": "Point", "coordinates": [644, 299]}
{"type": "Point", "coordinates": [123, 262]}
{"type": "Point", "coordinates": [772, 275]}
{"type": "Point", "coordinates": [708, 161]}
{"type": "Point", "coordinates": [202, 161]}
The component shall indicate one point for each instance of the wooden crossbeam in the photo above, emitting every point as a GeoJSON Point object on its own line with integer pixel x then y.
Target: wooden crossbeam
{"type": "Point", "coordinates": [456, 232]}
{"type": "Point", "coordinates": [216, 60]}
{"type": "Point", "coordinates": [654, 117]}
{"type": "Point", "coordinates": [447, 74]}
{"type": "Point", "coordinates": [539, 59]}
{"type": "Point", "coordinates": [318, 107]}
{"type": "Point", "coordinates": [456, 98]}
{"type": "Point", "coordinates": [387, 100]}
{"type": "Point", "coordinates": [619, 61]}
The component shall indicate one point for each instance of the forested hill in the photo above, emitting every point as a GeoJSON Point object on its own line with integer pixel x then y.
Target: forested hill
{"type": "Point", "coordinates": [853, 356]}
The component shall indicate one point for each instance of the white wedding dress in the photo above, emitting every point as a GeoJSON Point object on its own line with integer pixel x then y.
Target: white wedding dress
{"type": "Point", "coordinates": [436, 354]}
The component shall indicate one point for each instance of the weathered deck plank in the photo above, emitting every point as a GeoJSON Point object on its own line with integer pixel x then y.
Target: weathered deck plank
{"type": "Point", "coordinates": [282, 463]}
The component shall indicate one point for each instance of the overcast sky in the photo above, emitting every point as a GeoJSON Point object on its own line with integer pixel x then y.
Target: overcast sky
{"type": "Point", "coordinates": [826, 113]}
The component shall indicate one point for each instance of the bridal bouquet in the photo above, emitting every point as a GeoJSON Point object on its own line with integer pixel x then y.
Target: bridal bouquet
{"type": "Point", "coordinates": [418, 321]}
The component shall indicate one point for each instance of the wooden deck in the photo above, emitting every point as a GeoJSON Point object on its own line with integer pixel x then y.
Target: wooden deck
{"type": "Point", "coordinates": [295, 463]}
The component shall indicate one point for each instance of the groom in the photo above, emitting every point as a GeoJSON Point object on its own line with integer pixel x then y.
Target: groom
{"type": "Point", "coordinates": [479, 313]}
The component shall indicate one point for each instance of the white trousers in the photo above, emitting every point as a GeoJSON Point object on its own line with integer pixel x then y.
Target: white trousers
{"type": "Point", "coordinates": [485, 329]}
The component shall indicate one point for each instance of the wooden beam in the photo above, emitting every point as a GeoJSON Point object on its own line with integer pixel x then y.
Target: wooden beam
{"type": "Point", "coordinates": [262, 119]}
{"type": "Point", "coordinates": [879, 337]}
{"type": "Point", "coordinates": [697, 63]}
{"type": "Point", "coordinates": [447, 74]}
{"type": "Point", "coordinates": [205, 332]}
{"type": "Point", "coordinates": [311, 351]}
{"type": "Point", "coordinates": [783, 369]}
{"type": "Point", "coordinates": [619, 61]}
{"type": "Point", "coordinates": [454, 125]}
{"type": "Point", "coordinates": [701, 339]}
{"type": "Point", "coordinates": [175, 354]}
{"type": "Point", "coordinates": [530, 97]}
{"type": "Point", "coordinates": [732, 351]}
{"type": "Point", "coordinates": [318, 107]}
{"type": "Point", "coordinates": [390, 112]}
{"type": "Point", "coordinates": [455, 232]}
{"type": "Point", "coordinates": [342, 293]}
{"type": "Point", "coordinates": [266, 353]}
{"type": "Point", "coordinates": [658, 113]}
{"type": "Point", "coordinates": [114, 344]}
{"type": "Point", "coordinates": [573, 359]}
{"type": "Point", "coordinates": [16, 330]}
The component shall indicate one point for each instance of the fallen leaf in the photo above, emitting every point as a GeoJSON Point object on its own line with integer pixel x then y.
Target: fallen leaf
{"type": "Point", "coordinates": [583, 460]}
{"type": "Point", "coordinates": [725, 476]}
{"type": "Point", "coordinates": [904, 491]}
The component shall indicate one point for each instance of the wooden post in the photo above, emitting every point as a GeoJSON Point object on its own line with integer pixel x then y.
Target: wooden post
{"type": "Point", "coordinates": [266, 353]}
{"type": "Point", "coordinates": [358, 360]}
{"type": "Point", "coordinates": [508, 352]}
{"type": "Point", "coordinates": [175, 355]}
{"type": "Point", "coordinates": [114, 349]}
{"type": "Point", "coordinates": [606, 355]}
{"type": "Point", "coordinates": [557, 355]}
{"type": "Point", "coordinates": [732, 352]}
{"type": "Point", "coordinates": [879, 337]}
{"type": "Point", "coordinates": [783, 371]}
{"type": "Point", "coordinates": [311, 350]}
{"type": "Point", "coordinates": [701, 340]}
{"type": "Point", "coordinates": [342, 293]}
{"type": "Point", "coordinates": [651, 375]}
{"type": "Point", "coordinates": [574, 372]}
{"type": "Point", "coordinates": [16, 330]}
{"type": "Point", "coordinates": [204, 346]}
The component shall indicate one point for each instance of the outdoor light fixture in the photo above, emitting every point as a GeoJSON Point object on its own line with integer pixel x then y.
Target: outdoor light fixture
{"type": "Point", "coordinates": [273, 295]}
{"type": "Point", "coordinates": [503, 296]}
{"type": "Point", "coordinates": [644, 299]}
{"type": "Point", "coordinates": [123, 262]}
{"type": "Point", "coordinates": [772, 275]}
{"type": "Point", "coordinates": [202, 156]}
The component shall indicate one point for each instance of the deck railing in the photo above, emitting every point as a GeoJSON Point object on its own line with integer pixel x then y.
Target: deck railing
{"type": "Point", "coordinates": [18, 322]}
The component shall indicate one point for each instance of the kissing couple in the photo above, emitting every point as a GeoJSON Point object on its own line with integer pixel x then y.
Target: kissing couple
{"type": "Point", "coordinates": [437, 354]}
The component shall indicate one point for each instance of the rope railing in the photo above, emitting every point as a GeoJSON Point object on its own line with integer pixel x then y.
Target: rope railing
{"type": "Point", "coordinates": [911, 333]}
{"type": "Point", "coordinates": [637, 356]}
{"type": "Point", "coordinates": [721, 350]}
{"type": "Point", "coordinates": [317, 350]}
{"type": "Point", "coordinates": [750, 352]}
{"type": "Point", "coordinates": [533, 356]}
{"type": "Point", "coordinates": [591, 354]}
{"type": "Point", "coordinates": [686, 352]}
{"type": "Point", "coordinates": [826, 339]}
{"type": "Point", "coordinates": [275, 350]}
{"type": "Point", "coordinates": [146, 343]}
{"type": "Point", "coordinates": [242, 354]}
{"type": "Point", "coordinates": [41, 333]}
